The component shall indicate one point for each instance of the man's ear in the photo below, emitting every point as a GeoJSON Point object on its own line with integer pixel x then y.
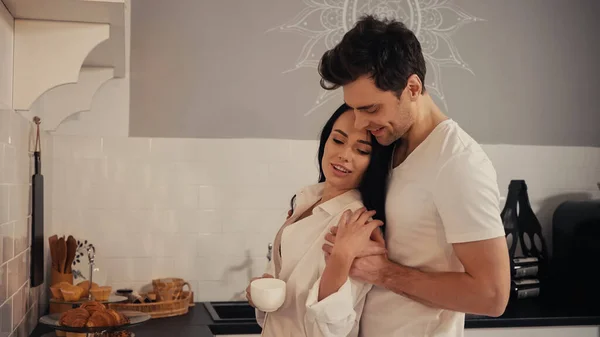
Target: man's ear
{"type": "Point", "coordinates": [414, 86]}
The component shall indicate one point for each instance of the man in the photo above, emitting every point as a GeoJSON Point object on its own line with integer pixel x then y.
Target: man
{"type": "Point", "coordinates": [446, 251]}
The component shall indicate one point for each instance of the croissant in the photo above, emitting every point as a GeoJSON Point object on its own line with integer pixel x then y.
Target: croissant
{"type": "Point", "coordinates": [101, 319]}
{"type": "Point", "coordinates": [75, 318]}
{"type": "Point", "coordinates": [120, 319]}
{"type": "Point", "coordinates": [93, 306]}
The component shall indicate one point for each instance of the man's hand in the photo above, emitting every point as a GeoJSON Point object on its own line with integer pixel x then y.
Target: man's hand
{"type": "Point", "coordinates": [369, 269]}
{"type": "Point", "coordinates": [248, 296]}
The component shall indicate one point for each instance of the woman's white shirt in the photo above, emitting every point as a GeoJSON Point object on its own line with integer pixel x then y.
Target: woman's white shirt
{"type": "Point", "coordinates": [301, 265]}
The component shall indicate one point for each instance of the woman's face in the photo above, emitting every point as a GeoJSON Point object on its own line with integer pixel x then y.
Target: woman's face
{"type": "Point", "coordinates": [347, 153]}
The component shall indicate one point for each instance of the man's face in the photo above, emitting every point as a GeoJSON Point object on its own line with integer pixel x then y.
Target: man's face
{"type": "Point", "coordinates": [384, 114]}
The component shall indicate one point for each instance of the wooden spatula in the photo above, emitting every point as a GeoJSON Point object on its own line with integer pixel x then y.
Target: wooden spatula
{"type": "Point", "coordinates": [61, 254]}
{"type": "Point", "coordinates": [52, 243]}
{"type": "Point", "coordinates": [71, 250]}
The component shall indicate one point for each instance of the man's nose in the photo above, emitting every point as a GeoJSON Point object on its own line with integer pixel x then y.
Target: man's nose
{"type": "Point", "coordinates": [360, 122]}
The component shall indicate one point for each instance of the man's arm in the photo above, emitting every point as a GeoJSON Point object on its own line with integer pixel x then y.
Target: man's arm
{"type": "Point", "coordinates": [482, 289]}
{"type": "Point", "coordinates": [465, 193]}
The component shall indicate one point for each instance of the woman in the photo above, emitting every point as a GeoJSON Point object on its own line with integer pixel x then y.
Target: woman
{"type": "Point", "coordinates": [321, 300]}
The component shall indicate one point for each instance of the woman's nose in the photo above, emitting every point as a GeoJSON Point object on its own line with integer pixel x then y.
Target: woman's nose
{"type": "Point", "coordinates": [345, 153]}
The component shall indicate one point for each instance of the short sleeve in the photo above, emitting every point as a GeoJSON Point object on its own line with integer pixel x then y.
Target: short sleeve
{"type": "Point", "coordinates": [466, 195]}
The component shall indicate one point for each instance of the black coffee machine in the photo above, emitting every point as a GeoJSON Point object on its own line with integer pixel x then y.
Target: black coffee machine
{"type": "Point", "coordinates": [576, 253]}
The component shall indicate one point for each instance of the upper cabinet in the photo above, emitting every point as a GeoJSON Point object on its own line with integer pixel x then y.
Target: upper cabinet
{"type": "Point", "coordinates": [64, 49]}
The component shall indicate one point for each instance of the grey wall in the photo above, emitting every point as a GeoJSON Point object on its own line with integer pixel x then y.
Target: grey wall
{"type": "Point", "coordinates": [511, 71]}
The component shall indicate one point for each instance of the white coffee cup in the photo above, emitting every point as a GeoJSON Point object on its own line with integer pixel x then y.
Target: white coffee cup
{"type": "Point", "coordinates": [268, 294]}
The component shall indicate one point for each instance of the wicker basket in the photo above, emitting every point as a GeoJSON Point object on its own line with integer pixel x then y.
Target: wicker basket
{"type": "Point", "coordinates": [167, 289]}
{"type": "Point", "coordinates": [160, 309]}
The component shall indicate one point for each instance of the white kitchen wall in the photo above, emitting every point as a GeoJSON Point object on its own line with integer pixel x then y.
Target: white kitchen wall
{"type": "Point", "coordinates": [20, 305]}
{"type": "Point", "coordinates": [18, 302]}
{"type": "Point", "coordinates": [6, 56]}
{"type": "Point", "coordinates": [205, 209]}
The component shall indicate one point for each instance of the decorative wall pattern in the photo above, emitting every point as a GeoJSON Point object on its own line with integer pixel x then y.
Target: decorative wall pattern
{"type": "Point", "coordinates": [498, 68]}
{"type": "Point", "coordinates": [324, 23]}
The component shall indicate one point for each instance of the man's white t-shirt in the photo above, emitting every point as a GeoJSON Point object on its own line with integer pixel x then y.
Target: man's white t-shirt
{"type": "Point", "coordinates": [445, 192]}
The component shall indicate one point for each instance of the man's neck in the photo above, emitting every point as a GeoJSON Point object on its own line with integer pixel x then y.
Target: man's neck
{"type": "Point", "coordinates": [427, 118]}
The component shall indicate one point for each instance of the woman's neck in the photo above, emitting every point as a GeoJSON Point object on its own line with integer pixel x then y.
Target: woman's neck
{"type": "Point", "coordinates": [330, 192]}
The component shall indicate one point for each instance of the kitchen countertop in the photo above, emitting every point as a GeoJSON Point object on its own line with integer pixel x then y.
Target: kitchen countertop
{"type": "Point", "coordinates": [538, 312]}
{"type": "Point", "coordinates": [535, 312]}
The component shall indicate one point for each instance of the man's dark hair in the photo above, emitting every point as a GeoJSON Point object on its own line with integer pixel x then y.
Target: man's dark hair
{"type": "Point", "coordinates": [386, 50]}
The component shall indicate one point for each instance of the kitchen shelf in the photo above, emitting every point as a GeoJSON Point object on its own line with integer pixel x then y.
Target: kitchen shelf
{"type": "Point", "coordinates": [64, 50]}
{"type": "Point", "coordinates": [110, 53]}
{"type": "Point", "coordinates": [48, 54]}
{"type": "Point", "coordinates": [52, 107]}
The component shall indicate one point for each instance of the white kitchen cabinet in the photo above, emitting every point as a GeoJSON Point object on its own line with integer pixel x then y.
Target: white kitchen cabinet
{"type": "Point", "coordinates": [111, 12]}
{"type": "Point", "coordinates": [578, 331]}
{"type": "Point", "coordinates": [48, 54]}
{"type": "Point", "coordinates": [64, 48]}
{"type": "Point", "coordinates": [54, 108]}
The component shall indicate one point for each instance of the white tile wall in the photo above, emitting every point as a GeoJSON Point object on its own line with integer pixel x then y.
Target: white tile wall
{"type": "Point", "coordinates": [205, 209]}
{"type": "Point", "coordinates": [19, 304]}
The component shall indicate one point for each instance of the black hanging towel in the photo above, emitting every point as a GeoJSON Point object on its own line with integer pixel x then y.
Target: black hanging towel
{"type": "Point", "coordinates": [37, 214]}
